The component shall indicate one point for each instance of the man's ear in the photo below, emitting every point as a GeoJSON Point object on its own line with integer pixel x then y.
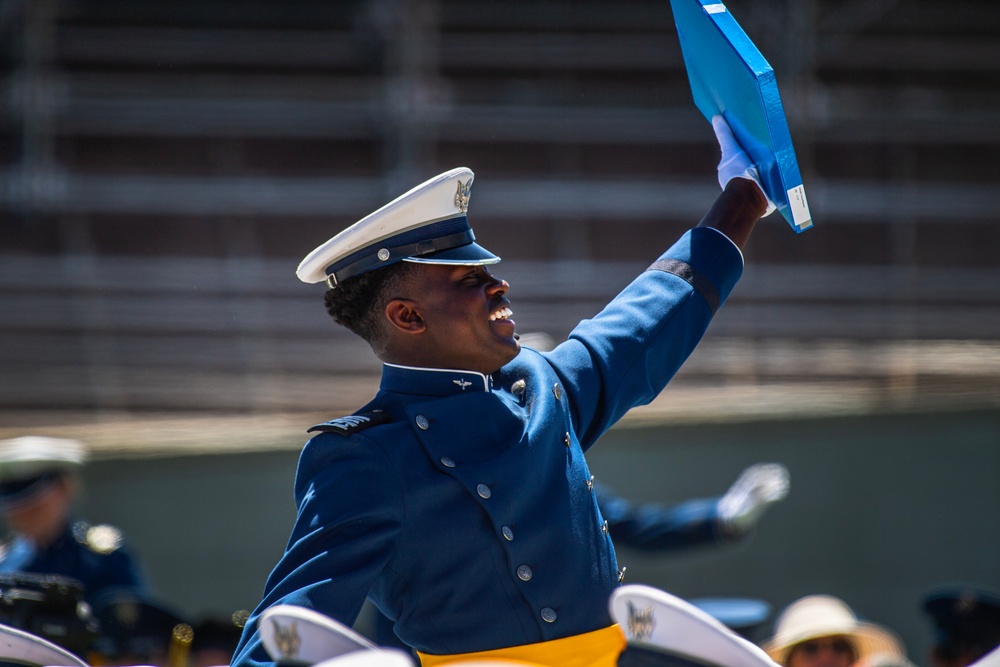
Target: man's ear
{"type": "Point", "coordinates": [403, 314]}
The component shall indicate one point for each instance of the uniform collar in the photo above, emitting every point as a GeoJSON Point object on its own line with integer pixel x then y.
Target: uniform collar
{"type": "Point", "coordinates": [432, 381]}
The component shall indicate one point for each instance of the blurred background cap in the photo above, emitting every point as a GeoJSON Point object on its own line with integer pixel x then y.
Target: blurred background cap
{"type": "Point", "coordinates": [744, 616]}
{"type": "Point", "coordinates": [31, 463]}
{"type": "Point", "coordinates": [30, 456]}
{"type": "Point", "coordinates": [966, 619]}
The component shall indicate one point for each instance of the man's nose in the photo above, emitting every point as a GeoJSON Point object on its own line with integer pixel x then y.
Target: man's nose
{"type": "Point", "coordinates": [498, 286]}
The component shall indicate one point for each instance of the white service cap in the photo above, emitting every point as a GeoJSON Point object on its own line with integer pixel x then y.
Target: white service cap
{"type": "Point", "coordinates": [32, 455]}
{"type": "Point", "coordinates": [427, 224]}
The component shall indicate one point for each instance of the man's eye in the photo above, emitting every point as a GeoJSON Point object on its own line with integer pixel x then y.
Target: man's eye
{"type": "Point", "coordinates": [477, 275]}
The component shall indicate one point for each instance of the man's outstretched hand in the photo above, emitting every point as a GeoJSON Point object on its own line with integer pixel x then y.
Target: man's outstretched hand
{"type": "Point", "coordinates": [735, 163]}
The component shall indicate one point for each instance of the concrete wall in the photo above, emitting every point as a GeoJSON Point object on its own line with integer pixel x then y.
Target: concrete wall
{"type": "Point", "coordinates": [209, 528]}
{"type": "Point", "coordinates": [880, 510]}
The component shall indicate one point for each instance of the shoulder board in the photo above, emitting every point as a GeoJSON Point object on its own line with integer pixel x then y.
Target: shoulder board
{"type": "Point", "coordinates": [102, 539]}
{"type": "Point", "coordinates": [352, 423]}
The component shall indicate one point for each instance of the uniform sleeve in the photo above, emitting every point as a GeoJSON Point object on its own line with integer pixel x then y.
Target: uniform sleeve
{"type": "Point", "coordinates": [653, 527]}
{"type": "Point", "coordinates": [625, 356]}
{"type": "Point", "coordinates": [350, 512]}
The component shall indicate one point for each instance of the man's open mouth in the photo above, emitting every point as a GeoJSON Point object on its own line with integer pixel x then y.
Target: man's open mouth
{"type": "Point", "coordinates": [501, 314]}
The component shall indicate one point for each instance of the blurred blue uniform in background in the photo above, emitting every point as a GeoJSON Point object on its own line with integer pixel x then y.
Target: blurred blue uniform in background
{"type": "Point", "coordinates": [38, 485]}
{"type": "Point", "coordinates": [95, 556]}
{"type": "Point", "coordinates": [54, 568]}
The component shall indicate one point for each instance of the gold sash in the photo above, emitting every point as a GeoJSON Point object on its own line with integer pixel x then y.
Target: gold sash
{"type": "Point", "coordinates": [599, 648]}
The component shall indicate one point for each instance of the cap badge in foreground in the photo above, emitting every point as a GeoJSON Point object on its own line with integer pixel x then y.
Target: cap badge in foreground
{"type": "Point", "coordinates": [463, 195]}
{"type": "Point", "coordinates": [287, 640]}
{"type": "Point", "coordinates": [640, 622]}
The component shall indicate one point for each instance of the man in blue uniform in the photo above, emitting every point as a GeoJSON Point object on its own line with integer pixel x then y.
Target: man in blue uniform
{"type": "Point", "coordinates": [38, 484]}
{"type": "Point", "coordinates": [52, 562]}
{"type": "Point", "coordinates": [459, 500]}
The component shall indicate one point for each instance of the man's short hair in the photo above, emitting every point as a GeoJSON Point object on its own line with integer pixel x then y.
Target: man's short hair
{"type": "Point", "coordinates": [359, 303]}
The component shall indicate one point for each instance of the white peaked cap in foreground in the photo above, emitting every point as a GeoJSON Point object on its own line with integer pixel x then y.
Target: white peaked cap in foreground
{"type": "Point", "coordinates": [291, 633]}
{"type": "Point", "coordinates": [23, 648]}
{"type": "Point", "coordinates": [661, 622]}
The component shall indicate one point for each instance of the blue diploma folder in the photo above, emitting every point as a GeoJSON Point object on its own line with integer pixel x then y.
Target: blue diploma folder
{"type": "Point", "coordinates": [729, 76]}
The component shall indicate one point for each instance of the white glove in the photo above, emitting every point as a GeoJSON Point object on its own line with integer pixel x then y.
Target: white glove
{"type": "Point", "coordinates": [748, 497]}
{"type": "Point", "coordinates": [735, 163]}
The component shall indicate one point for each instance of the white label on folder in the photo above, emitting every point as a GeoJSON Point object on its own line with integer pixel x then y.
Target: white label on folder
{"type": "Point", "coordinates": [717, 8]}
{"type": "Point", "coordinates": [800, 207]}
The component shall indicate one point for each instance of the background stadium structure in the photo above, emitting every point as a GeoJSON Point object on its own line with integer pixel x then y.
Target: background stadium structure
{"type": "Point", "coordinates": [165, 165]}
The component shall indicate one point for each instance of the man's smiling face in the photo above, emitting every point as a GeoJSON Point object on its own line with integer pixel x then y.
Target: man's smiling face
{"type": "Point", "coordinates": [466, 315]}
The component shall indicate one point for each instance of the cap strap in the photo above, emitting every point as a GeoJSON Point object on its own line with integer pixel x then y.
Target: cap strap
{"type": "Point", "coordinates": [385, 255]}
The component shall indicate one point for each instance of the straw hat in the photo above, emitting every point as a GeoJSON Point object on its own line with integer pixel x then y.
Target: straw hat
{"type": "Point", "coordinates": [818, 616]}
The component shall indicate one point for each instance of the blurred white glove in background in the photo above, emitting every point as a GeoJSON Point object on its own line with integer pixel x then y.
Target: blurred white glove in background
{"type": "Point", "coordinates": [758, 487]}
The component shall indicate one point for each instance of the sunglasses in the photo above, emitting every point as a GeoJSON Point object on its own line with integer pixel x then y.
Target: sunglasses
{"type": "Point", "coordinates": [813, 647]}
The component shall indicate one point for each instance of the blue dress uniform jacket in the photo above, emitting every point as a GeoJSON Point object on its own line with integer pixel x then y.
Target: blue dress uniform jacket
{"type": "Point", "coordinates": [462, 505]}
{"type": "Point", "coordinates": [96, 556]}
{"type": "Point", "coordinates": [640, 526]}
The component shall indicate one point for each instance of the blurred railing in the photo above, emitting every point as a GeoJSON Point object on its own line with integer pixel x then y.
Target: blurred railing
{"type": "Point", "coordinates": [165, 165]}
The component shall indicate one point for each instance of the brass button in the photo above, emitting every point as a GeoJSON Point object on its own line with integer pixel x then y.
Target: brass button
{"type": "Point", "coordinates": [590, 483]}
{"type": "Point", "coordinates": [604, 527]}
{"type": "Point", "coordinates": [557, 391]}
{"type": "Point", "coordinates": [518, 387]}
{"type": "Point", "coordinates": [567, 439]}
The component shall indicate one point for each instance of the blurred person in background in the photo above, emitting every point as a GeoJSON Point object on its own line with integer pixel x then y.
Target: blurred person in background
{"type": "Point", "coordinates": [702, 522]}
{"type": "Point", "coordinates": [215, 639]}
{"type": "Point", "coordinates": [966, 622]}
{"type": "Point", "coordinates": [39, 482]}
{"type": "Point", "coordinates": [53, 566]}
{"type": "Point", "coordinates": [823, 631]}
{"type": "Point", "coordinates": [136, 628]}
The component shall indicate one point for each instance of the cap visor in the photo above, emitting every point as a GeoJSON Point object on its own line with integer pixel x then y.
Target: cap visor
{"type": "Point", "coordinates": [25, 490]}
{"type": "Point", "coordinates": [470, 254]}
